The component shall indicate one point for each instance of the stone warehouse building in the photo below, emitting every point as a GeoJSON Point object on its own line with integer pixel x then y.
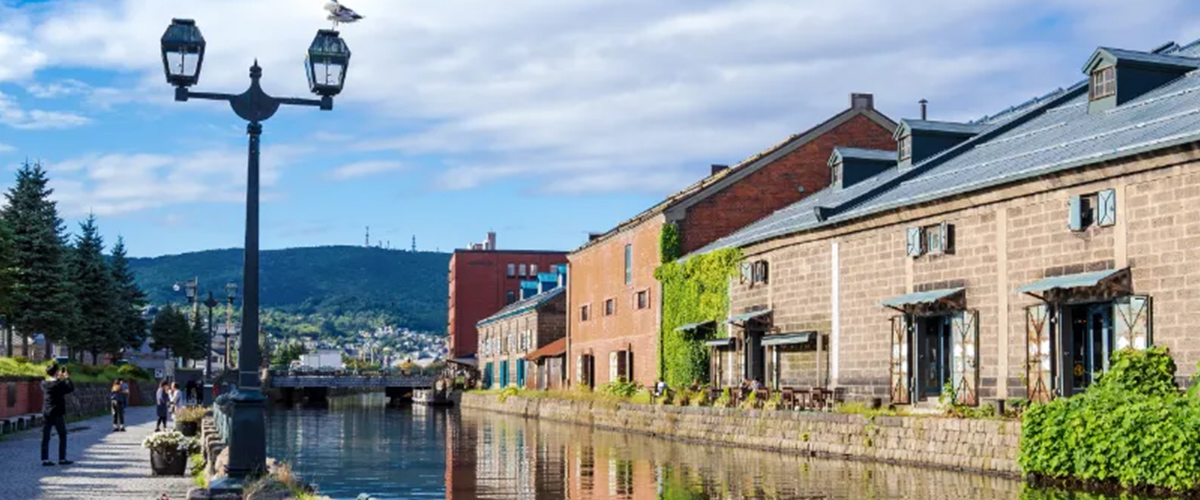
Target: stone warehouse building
{"type": "Point", "coordinates": [482, 280]}
{"type": "Point", "coordinates": [525, 327]}
{"type": "Point", "coordinates": [1009, 256]}
{"type": "Point", "coordinates": [615, 304]}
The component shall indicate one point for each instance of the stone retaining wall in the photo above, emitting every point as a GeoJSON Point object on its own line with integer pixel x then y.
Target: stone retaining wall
{"type": "Point", "coordinates": [987, 446]}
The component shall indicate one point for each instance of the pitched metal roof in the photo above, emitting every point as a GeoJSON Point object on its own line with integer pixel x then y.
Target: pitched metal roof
{"type": "Point", "coordinates": [694, 326]}
{"type": "Point", "coordinates": [556, 348]}
{"type": "Point", "coordinates": [938, 127]}
{"type": "Point", "coordinates": [844, 153]}
{"type": "Point", "coordinates": [1145, 58]}
{"type": "Point", "coordinates": [1046, 135]}
{"type": "Point", "coordinates": [742, 318]}
{"type": "Point", "coordinates": [521, 306]}
{"type": "Point", "coordinates": [705, 186]}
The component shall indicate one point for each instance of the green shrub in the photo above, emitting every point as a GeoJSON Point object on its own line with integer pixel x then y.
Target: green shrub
{"type": "Point", "coordinates": [694, 291]}
{"type": "Point", "coordinates": [620, 388]}
{"type": "Point", "coordinates": [774, 402]}
{"type": "Point", "coordinates": [134, 373]}
{"type": "Point", "coordinates": [751, 402]}
{"type": "Point", "coordinates": [725, 399]}
{"type": "Point", "coordinates": [506, 392]}
{"type": "Point", "coordinates": [700, 398]}
{"type": "Point", "coordinates": [20, 360]}
{"type": "Point", "coordinates": [1132, 428]}
{"type": "Point", "coordinates": [21, 367]}
{"type": "Point", "coordinates": [643, 397]}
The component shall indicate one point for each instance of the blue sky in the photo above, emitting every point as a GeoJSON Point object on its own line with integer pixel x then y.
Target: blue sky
{"type": "Point", "coordinates": [541, 120]}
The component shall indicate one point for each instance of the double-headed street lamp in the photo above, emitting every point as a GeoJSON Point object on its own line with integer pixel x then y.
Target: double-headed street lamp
{"type": "Point", "coordinates": [183, 56]}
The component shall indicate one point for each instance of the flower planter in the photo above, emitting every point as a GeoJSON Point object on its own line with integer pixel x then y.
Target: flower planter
{"type": "Point", "coordinates": [189, 429]}
{"type": "Point", "coordinates": [168, 462]}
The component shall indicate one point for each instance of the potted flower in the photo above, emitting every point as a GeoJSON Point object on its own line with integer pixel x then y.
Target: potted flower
{"type": "Point", "coordinates": [187, 419]}
{"type": "Point", "coordinates": [169, 452]}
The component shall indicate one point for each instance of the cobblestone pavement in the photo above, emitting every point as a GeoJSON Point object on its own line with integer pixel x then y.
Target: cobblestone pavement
{"type": "Point", "coordinates": [108, 465]}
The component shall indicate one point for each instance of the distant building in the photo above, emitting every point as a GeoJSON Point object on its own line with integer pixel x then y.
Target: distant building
{"type": "Point", "coordinates": [507, 338]}
{"type": "Point", "coordinates": [482, 281]}
{"type": "Point", "coordinates": [614, 298]}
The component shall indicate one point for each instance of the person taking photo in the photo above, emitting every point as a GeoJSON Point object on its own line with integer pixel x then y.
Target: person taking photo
{"type": "Point", "coordinates": [54, 412]}
{"type": "Point", "coordinates": [119, 399]}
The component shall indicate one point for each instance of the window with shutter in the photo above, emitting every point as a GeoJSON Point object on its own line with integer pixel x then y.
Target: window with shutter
{"type": "Point", "coordinates": [966, 357]}
{"type": "Point", "coordinates": [1075, 213]}
{"type": "Point", "coordinates": [1132, 322]}
{"type": "Point", "coordinates": [900, 366]}
{"type": "Point", "coordinates": [1107, 207]}
{"type": "Point", "coordinates": [1038, 361]}
{"type": "Point", "coordinates": [915, 245]}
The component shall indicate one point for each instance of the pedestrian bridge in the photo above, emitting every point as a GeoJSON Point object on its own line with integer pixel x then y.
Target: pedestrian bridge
{"type": "Point", "coordinates": [350, 381]}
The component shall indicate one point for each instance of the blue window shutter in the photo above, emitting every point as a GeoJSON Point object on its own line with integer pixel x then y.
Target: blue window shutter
{"type": "Point", "coordinates": [1075, 220]}
{"type": "Point", "coordinates": [914, 241]}
{"type": "Point", "coordinates": [1108, 207]}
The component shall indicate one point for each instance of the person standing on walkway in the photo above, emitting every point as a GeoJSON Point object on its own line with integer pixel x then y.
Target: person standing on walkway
{"type": "Point", "coordinates": [162, 399]}
{"type": "Point", "coordinates": [54, 412]}
{"type": "Point", "coordinates": [118, 399]}
{"type": "Point", "coordinates": [175, 398]}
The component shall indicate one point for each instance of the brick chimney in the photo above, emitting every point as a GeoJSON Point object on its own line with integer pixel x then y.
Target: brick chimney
{"type": "Point", "coordinates": [862, 101]}
{"type": "Point", "coordinates": [491, 240]}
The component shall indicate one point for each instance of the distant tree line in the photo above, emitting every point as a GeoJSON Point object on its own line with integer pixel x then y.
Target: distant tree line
{"type": "Point", "coordinates": [62, 286]}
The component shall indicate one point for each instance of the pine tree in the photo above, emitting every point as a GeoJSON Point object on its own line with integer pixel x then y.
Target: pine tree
{"type": "Point", "coordinates": [42, 300]}
{"type": "Point", "coordinates": [95, 294]}
{"type": "Point", "coordinates": [130, 299]}
{"type": "Point", "coordinates": [7, 275]}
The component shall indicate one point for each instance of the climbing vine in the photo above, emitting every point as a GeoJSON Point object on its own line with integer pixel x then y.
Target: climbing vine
{"type": "Point", "coordinates": [694, 291]}
{"type": "Point", "coordinates": [668, 243]}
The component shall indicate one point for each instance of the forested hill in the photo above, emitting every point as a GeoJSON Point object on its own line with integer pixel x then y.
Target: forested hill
{"type": "Point", "coordinates": [335, 288]}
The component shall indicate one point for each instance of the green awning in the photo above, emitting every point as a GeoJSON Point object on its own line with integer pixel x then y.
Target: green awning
{"type": "Point", "coordinates": [787, 339]}
{"type": "Point", "coordinates": [725, 342]}
{"type": "Point", "coordinates": [695, 326]}
{"type": "Point", "coordinates": [742, 318]}
{"type": "Point", "coordinates": [1070, 281]}
{"type": "Point", "coordinates": [921, 297]}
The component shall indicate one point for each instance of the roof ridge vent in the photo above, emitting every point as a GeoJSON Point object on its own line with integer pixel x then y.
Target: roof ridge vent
{"type": "Point", "coordinates": [1166, 48]}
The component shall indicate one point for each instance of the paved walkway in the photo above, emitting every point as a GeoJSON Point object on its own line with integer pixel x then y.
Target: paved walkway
{"type": "Point", "coordinates": [107, 464]}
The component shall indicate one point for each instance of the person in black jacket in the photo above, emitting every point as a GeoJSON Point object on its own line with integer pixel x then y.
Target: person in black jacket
{"type": "Point", "coordinates": [54, 410]}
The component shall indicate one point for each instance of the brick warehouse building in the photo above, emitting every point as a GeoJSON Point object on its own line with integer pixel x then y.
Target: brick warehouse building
{"type": "Point", "coordinates": [482, 281]}
{"type": "Point", "coordinates": [613, 297]}
{"type": "Point", "coordinates": [1008, 256]}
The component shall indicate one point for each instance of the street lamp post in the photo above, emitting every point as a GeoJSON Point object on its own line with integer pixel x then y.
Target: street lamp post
{"type": "Point", "coordinates": [189, 288]}
{"type": "Point", "coordinates": [183, 49]}
{"type": "Point", "coordinates": [210, 303]}
{"type": "Point", "coordinates": [230, 295]}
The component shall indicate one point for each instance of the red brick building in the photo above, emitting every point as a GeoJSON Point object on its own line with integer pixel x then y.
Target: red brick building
{"type": "Point", "coordinates": [482, 281]}
{"type": "Point", "coordinates": [613, 298]}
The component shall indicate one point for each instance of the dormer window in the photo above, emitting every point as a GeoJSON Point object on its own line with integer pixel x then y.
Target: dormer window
{"type": "Point", "coordinates": [835, 174]}
{"type": "Point", "coordinates": [904, 146]}
{"type": "Point", "coordinates": [1104, 83]}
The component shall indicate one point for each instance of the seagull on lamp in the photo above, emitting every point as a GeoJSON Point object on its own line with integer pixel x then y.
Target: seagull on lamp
{"type": "Point", "coordinates": [339, 13]}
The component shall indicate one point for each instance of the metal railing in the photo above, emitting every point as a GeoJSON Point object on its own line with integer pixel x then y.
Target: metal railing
{"type": "Point", "coordinates": [223, 415]}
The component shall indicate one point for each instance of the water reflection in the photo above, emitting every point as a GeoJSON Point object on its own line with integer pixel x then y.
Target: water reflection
{"type": "Point", "coordinates": [358, 446]}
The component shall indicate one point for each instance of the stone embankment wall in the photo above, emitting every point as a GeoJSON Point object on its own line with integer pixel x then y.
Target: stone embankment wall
{"type": "Point", "coordinates": [987, 446]}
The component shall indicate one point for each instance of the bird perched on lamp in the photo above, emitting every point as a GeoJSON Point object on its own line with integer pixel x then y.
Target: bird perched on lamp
{"type": "Point", "coordinates": [339, 13]}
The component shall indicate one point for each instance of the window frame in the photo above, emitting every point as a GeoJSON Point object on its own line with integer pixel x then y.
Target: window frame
{"type": "Point", "coordinates": [628, 263]}
{"type": "Point", "coordinates": [521, 270]}
{"type": "Point", "coordinates": [510, 297]}
{"type": "Point", "coordinates": [512, 270]}
{"type": "Point", "coordinates": [585, 313]}
{"type": "Point", "coordinates": [533, 270]}
{"type": "Point", "coordinates": [904, 147]}
{"type": "Point", "coordinates": [610, 307]}
{"type": "Point", "coordinates": [1103, 83]}
{"type": "Point", "coordinates": [641, 299]}
{"type": "Point", "coordinates": [835, 174]}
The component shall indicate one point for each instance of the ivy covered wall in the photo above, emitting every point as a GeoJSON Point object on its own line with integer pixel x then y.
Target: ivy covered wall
{"type": "Point", "coordinates": [694, 291]}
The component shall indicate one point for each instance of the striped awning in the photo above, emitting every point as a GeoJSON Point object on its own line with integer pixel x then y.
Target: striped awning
{"type": "Point", "coordinates": [742, 318]}
{"type": "Point", "coordinates": [1083, 280]}
{"type": "Point", "coordinates": [787, 339]}
{"type": "Point", "coordinates": [919, 298]}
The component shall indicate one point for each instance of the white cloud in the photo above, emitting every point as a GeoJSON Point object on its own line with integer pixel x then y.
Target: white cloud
{"type": "Point", "coordinates": [365, 169]}
{"type": "Point", "coordinates": [13, 115]}
{"type": "Point", "coordinates": [5, 148]}
{"type": "Point", "coordinates": [608, 95]}
{"type": "Point", "coordinates": [113, 184]}
{"type": "Point", "coordinates": [57, 89]}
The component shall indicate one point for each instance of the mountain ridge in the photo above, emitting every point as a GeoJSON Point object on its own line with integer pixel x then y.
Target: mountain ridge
{"type": "Point", "coordinates": [363, 286]}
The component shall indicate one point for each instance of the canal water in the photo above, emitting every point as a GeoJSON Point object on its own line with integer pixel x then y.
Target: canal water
{"type": "Point", "coordinates": [357, 445]}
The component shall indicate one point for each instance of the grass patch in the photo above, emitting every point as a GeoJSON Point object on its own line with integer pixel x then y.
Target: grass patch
{"type": "Point", "coordinates": [199, 478]}
{"type": "Point", "coordinates": [281, 483]}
